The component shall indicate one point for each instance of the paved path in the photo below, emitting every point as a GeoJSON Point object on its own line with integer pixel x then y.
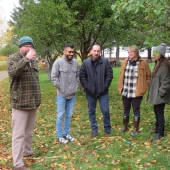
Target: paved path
{"type": "Point", "coordinates": [3, 74]}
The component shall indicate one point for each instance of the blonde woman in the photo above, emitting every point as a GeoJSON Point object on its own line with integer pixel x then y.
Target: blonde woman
{"type": "Point", "coordinates": [133, 82]}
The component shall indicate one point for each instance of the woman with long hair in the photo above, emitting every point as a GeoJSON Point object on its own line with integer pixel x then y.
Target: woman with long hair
{"type": "Point", "coordinates": [133, 82]}
{"type": "Point", "coordinates": [159, 88]}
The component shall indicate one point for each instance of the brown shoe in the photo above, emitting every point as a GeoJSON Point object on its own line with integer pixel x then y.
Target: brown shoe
{"type": "Point", "coordinates": [136, 126]}
{"type": "Point", "coordinates": [20, 168]}
{"type": "Point", "coordinates": [35, 154]}
{"type": "Point", "coordinates": [125, 123]}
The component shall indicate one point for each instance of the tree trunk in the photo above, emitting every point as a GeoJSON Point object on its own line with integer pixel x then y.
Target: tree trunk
{"type": "Point", "coordinates": [49, 70]}
{"type": "Point", "coordinates": [103, 52]}
{"type": "Point", "coordinates": [117, 56]}
{"type": "Point", "coordinates": [110, 54]}
{"type": "Point", "coordinates": [149, 55]}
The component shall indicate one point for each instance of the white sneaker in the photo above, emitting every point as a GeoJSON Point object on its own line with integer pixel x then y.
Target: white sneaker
{"type": "Point", "coordinates": [62, 140]}
{"type": "Point", "coordinates": [70, 138]}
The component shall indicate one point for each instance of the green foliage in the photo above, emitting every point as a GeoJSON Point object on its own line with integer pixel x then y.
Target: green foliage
{"type": "Point", "coordinates": [52, 24]}
{"type": "Point", "coordinates": [8, 50]}
{"type": "Point", "coordinates": [148, 17]}
{"type": "Point", "coordinates": [100, 153]}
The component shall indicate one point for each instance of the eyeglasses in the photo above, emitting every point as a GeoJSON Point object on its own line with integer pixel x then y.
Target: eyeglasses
{"type": "Point", "coordinates": [28, 46]}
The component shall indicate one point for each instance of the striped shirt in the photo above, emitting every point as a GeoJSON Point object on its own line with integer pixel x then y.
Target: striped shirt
{"type": "Point", "coordinates": [130, 79]}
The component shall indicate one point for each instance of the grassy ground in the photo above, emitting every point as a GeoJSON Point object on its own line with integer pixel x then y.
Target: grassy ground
{"type": "Point", "coordinates": [2, 65]}
{"type": "Point", "coordinates": [111, 152]}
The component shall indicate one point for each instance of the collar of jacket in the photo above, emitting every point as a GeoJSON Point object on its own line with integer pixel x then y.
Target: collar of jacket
{"type": "Point", "coordinates": [127, 59]}
{"type": "Point", "coordinates": [19, 53]}
{"type": "Point", "coordinates": [99, 60]}
{"type": "Point", "coordinates": [69, 61]}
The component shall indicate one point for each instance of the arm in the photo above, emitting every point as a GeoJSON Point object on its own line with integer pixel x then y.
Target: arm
{"type": "Point", "coordinates": [109, 74]}
{"type": "Point", "coordinates": [16, 67]}
{"type": "Point", "coordinates": [83, 76]}
{"type": "Point", "coordinates": [55, 74]}
{"type": "Point", "coordinates": [148, 74]}
{"type": "Point", "coordinates": [77, 75]}
{"type": "Point", "coordinates": [164, 82]}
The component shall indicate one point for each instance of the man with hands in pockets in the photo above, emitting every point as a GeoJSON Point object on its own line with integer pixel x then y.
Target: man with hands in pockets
{"type": "Point", "coordinates": [65, 77]}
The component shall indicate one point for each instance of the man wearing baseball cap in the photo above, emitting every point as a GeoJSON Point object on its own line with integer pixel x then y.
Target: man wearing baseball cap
{"type": "Point", "coordinates": [25, 98]}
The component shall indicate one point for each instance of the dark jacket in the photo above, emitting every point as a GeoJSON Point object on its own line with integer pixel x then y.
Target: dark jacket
{"type": "Point", "coordinates": [24, 82]}
{"type": "Point", "coordinates": [96, 77]}
{"type": "Point", "coordinates": [159, 87]}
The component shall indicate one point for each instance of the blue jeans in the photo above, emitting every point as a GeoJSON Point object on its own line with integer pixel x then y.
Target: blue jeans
{"type": "Point", "coordinates": [104, 107]}
{"type": "Point", "coordinates": [65, 109]}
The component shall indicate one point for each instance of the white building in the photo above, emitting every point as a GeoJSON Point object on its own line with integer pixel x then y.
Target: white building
{"type": "Point", "coordinates": [123, 52]}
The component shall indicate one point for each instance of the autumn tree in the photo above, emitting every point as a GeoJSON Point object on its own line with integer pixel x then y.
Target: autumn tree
{"type": "Point", "coordinates": [6, 33]}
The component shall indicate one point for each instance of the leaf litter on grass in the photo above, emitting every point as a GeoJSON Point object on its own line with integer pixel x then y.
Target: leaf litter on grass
{"type": "Point", "coordinates": [116, 151]}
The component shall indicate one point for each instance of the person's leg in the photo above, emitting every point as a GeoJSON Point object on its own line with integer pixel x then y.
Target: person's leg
{"type": "Point", "coordinates": [126, 109]}
{"type": "Point", "coordinates": [27, 149]}
{"type": "Point", "coordinates": [161, 120]}
{"type": "Point", "coordinates": [61, 106]}
{"type": "Point", "coordinates": [136, 102]}
{"type": "Point", "coordinates": [104, 106]}
{"type": "Point", "coordinates": [69, 112]}
{"type": "Point", "coordinates": [92, 112]}
{"type": "Point", "coordinates": [19, 121]}
{"type": "Point", "coordinates": [155, 130]}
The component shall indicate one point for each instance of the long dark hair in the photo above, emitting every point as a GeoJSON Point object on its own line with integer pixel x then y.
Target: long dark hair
{"type": "Point", "coordinates": [162, 61]}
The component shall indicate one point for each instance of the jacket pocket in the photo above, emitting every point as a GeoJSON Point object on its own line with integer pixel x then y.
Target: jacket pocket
{"type": "Point", "coordinates": [142, 71]}
{"type": "Point", "coordinates": [15, 95]}
{"type": "Point", "coordinates": [74, 69]}
{"type": "Point", "coordinates": [90, 90]}
{"type": "Point", "coordinates": [64, 70]}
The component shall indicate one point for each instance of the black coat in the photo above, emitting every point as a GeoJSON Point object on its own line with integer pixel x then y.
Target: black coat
{"type": "Point", "coordinates": [96, 77]}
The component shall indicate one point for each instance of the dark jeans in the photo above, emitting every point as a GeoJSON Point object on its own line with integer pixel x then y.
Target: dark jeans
{"type": "Point", "coordinates": [135, 105]}
{"type": "Point", "coordinates": [159, 114]}
{"type": "Point", "coordinates": [104, 107]}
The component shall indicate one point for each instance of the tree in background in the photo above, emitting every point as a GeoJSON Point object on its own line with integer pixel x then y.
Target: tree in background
{"type": "Point", "coordinates": [5, 33]}
{"type": "Point", "coordinates": [8, 50]}
{"type": "Point", "coordinates": [149, 21]}
{"type": "Point", "coordinates": [54, 23]}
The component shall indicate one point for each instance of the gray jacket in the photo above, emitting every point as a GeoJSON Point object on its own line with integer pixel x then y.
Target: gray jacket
{"type": "Point", "coordinates": [159, 88]}
{"type": "Point", "coordinates": [65, 77]}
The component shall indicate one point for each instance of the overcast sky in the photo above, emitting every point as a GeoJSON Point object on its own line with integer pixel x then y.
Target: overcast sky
{"type": "Point", "coordinates": [6, 7]}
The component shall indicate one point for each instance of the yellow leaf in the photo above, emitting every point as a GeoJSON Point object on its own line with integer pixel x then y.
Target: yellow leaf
{"type": "Point", "coordinates": [153, 161]}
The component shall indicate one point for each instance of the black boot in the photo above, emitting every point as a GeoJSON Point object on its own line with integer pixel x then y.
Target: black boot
{"type": "Point", "coordinates": [136, 126]}
{"type": "Point", "coordinates": [160, 134]}
{"type": "Point", "coordinates": [125, 123]}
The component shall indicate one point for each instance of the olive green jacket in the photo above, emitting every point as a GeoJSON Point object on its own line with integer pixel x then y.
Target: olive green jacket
{"type": "Point", "coordinates": [159, 87]}
{"type": "Point", "coordinates": [24, 82]}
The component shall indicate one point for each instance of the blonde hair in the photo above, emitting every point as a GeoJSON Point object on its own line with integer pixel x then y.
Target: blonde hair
{"type": "Point", "coordinates": [135, 49]}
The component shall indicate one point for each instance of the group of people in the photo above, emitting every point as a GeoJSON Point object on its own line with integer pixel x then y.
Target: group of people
{"type": "Point", "coordinates": [95, 75]}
